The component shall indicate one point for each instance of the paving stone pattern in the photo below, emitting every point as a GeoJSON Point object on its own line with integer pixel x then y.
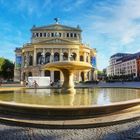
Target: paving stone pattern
{"type": "Point", "coordinates": [127, 131]}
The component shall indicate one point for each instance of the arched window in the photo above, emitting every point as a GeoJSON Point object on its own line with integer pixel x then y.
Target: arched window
{"type": "Point", "coordinates": [87, 59]}
{"type": "Point", "coordinates": [47, 57]}
{"type": "Point", "coordinates": [36, 34]}
{"type": "Point", "coordinates": [30, 74]}
{"type": "Point", "coordinates": [81, 58]}
{"type": "Point", "coordinates": [60, 34]}
{"type": "Point", "coordinates": [40, 34]}
{"type": "Point", "coordinates": [73, 56]}
{"type": "Point", "coordinates": [39, 58]}
{"type": "Point", "coordinates": [82, 76]}
{"type": "Point", "coordinates": [65, 56]}
{"type": "Point", "coordinates": [52, 34]}
{"type": "Point", "coordinates": [48, 35]}
{"type": "Point", "coordinates": [44, 34]}
{"type": "Point", "coordinates": [56, 56]}
{"type": "Point", "coordinates": [67, 34]}
{"type": "Point", "coordinates": [30, 60]}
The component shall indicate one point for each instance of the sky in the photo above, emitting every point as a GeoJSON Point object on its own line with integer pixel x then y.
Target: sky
{"type": "Point", "coordinates": [110, 26]}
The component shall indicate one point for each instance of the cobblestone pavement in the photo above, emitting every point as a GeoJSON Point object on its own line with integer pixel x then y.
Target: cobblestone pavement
{"type": "Point", "coordinates": [129, 131]}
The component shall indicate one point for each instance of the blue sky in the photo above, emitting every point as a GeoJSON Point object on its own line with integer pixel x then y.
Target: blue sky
{"type": "Point", "coordinates": [110, 26]}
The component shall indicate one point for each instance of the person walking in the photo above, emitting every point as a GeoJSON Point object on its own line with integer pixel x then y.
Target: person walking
{"type": "Point", "coordinates": [35, 84]}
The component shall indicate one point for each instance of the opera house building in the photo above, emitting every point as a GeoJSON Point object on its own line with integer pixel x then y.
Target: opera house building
{"type": "Point", "coordinates": [52, 43]}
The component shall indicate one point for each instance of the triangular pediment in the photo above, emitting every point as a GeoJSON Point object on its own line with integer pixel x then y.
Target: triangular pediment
{"type": "Point", "coordinates": [57, 41]}
{"type": "Point", "coordinates": [55, 27]}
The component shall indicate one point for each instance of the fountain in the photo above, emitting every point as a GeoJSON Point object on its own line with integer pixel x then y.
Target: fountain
{"type": "Point", "coordinates": [36, 107]}
{"type": "Point", "coordinates": [62, 46]}
{"type": "Point", "coordinates": [68, 68]}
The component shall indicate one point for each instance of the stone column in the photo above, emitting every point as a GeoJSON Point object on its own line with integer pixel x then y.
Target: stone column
{"type": "Point", "coordinates": [42, 73]}
{"type": "Point", "coordinates": [43, 55]}
{"type": "Point", "coordinates": [52, 57]}
{"type": "Point", "coordinates": [61, 55]}
{"type": "Point", "coordinates": [27, 58]}
{"type": "Point", "coordinates": [34, 58]}
{"type": "Point", "coordinates": [22, 65]}
{"type": "Point", "coordinates": [69, 54]}
{"type": "Point", "coordinates": [61, 76]}
{"type": "Point", "coordinates": [90, 76]}
{"type": "Point", "coordinates": [85, 75]}
{"type": "Point", "coordinates": [89, 58]}
{"type": "Point", "coordinates": [79, 73]}
{"type": "Point", "coordinates": [84, 56]}
{"type": "Point", "coordinates": [77, 57]}
{"type": "Point", "coordinates": [52, 76]}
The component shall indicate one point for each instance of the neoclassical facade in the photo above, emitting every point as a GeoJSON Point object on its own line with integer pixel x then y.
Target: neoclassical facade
{"type": "Point", "coordinates": [52, 43]}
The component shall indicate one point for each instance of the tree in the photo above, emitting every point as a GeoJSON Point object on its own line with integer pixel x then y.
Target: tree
{"type": "Point", "coordinates": [6, 69]}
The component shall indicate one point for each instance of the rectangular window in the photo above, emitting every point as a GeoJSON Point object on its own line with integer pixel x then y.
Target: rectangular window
{"type": "Point", "coordinates": [52, 34]}
{"type": "Point", "coordinates": [48, 34]}
{"type": "Point", "coordinates": [67, 34]}
{"type": "Point", "coordinates": [44, 34]}
{"type": "Point", "coordinates": [40, 34]}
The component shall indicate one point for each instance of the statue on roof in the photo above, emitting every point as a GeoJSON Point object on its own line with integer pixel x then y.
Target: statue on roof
{"type": "Point", "coordinates": [56, 20]}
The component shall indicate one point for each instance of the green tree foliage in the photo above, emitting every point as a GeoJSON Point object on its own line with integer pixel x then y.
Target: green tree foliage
{"type": "Point", "coordinates": [6, 69]}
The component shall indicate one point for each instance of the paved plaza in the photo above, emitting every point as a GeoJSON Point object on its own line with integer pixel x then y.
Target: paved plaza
{"type": "Point", "coordinates": [128, 131]}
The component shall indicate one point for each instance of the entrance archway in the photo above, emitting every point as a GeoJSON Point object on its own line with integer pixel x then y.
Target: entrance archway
{"type": "Point", "coordinates": [47, 73]}
{"type": "Point", "coordinates": [82, 76]}
{"type": "Point", "coordinates": [56, 76]}
{"type": "Point", "coordinates": [30, 74]}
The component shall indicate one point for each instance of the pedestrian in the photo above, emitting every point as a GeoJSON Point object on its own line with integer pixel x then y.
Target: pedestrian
{"type": "Point", "coordinates": [51, 83]}
{"type": "Point", "coordinates": [35, 84]}
{"type": "Point", "coordinates": [26, 83]}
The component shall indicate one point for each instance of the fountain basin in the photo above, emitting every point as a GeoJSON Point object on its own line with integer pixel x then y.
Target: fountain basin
{"type": "Point", "coordinates": [72, 106]}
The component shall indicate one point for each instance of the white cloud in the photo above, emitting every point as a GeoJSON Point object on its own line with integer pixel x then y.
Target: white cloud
{"type": "Point", "coordinates": [116, 27]}
{"type": "Point", "coordinates": [120, 25]}
{"type": "Point", "coordinates": [72, 5]}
